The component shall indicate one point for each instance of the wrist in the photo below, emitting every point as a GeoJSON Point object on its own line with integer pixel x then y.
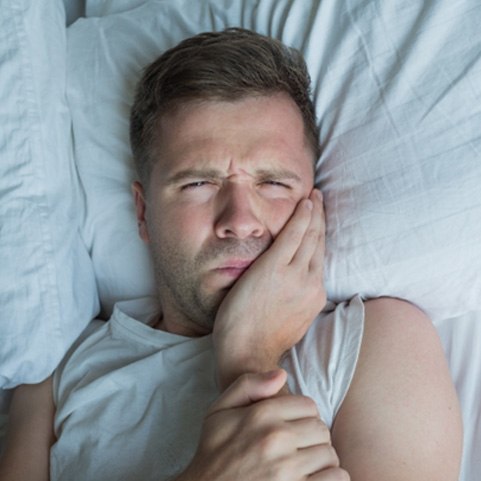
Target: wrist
{"type": "Point", "coordinates": [231, 365]}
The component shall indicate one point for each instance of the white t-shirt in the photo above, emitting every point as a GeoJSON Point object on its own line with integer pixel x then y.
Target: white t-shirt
{"type": "Point", "coordinates": [131, 399]}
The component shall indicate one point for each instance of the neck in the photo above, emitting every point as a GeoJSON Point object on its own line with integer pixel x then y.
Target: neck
{"type": "Point", "coordinates": [186, 329]}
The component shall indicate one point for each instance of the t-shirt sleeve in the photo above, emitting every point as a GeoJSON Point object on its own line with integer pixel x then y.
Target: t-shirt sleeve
{"type": "Point", "coordinates": [322, 365]}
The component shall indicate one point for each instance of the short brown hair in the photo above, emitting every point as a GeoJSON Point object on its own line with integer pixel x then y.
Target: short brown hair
{"type": "Point", "coordinates": [227, 65]}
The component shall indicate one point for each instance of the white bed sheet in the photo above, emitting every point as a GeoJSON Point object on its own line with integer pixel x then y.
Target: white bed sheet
{"type": "Point", "coordinates": [461, 338]}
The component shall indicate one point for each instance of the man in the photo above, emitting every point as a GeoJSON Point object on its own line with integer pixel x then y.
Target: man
{"type": "Point", "coordinates": [224, 139]}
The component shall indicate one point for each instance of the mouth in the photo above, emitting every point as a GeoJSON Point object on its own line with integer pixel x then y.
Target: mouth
{"type": "Point", "coordinates": [233, 268]}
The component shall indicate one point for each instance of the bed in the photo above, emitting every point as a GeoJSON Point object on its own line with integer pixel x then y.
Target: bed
{"type": "Point", "coordinates": [397, 87]}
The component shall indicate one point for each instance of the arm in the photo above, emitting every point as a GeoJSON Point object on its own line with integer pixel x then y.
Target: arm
{"type": "Point", "coordinates": [29, 434]}
{"type": "Point", "coordinates": [400, 420]}
{"type": "Point", "coordinates": [268, 437]}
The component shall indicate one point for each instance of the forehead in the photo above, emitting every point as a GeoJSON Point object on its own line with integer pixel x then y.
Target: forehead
{"type": "Point", "coordinates": [253, 133]}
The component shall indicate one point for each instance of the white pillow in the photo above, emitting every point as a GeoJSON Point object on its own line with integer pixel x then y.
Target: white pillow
{"type": "Point", "coordinates": [73, 10]}
{"type": "Point", "coordinates": [397, 89]}
{"type": "Point", "coordinates": [47, 286]}
{"type": "Point", "coordinates": [99, 8]}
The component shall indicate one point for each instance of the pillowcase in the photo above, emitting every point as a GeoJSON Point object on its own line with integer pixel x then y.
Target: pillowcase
{"type": "Point", "coordinates": [47, 287]}
{"type": "Point", "coordinates": [99, 8]}
{"type": "Point", "coordinates": [73, 10]}
{"type": "Point", "coordinates": [398, 96]}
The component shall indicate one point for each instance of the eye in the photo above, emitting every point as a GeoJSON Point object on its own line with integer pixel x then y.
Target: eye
{"type": "Point", "coordinates": [195, 185]}
{"type": "Point", "coordinates": [276, 183]}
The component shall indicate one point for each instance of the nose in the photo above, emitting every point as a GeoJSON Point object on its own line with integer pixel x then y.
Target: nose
{"type": "Point", "coordinates": [237, 216]}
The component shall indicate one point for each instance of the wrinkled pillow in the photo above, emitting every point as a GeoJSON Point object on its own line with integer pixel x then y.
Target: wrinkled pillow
{"type": "Point", "coordinates": [99, 8]}
{"type": "Point", "coordinates": [47, 287]}
{"type": "Point", "coordinates": [398, 96]}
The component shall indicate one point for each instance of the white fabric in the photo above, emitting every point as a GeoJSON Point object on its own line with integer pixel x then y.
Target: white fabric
{"type": "Point", "coordinates": [99, 8]}
{"type": "Point", "coordinates": [131, 399]}
{"type": "Point", "coordinates": [74, 9]}
{"type": "Point", "coordinates": [461, 338]}
{"type": "Point", "coordinates": [47, 287]}
{"type": "Point", "coordinates": [397, 89]}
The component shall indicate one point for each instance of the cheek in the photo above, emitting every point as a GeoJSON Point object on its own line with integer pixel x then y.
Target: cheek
{"type": "Point", "coordinates": [183, 228]}
{"type": "Point", "coordinates": [279, 215]}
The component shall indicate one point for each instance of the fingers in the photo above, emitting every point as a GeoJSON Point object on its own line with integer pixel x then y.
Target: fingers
{"type": "Point", "coordinates": [317, 459]}
{"type": "Point", "coordinates": [310, 432]}
{"type": "Point", "coordinates": [287, 408]}
{"type": "Point", "coordinates": [301, 241]}
{"type": "Point", "coordinates": [290, 237]}
{"type": "Point", "coordinates": [317, 259]}
{"type": "Point", "coordinates": [310, 253]}
{"type": "Point", "coordinates": [330, 474]}
{"type": "Point", "coordinates": [250, 388]}
{"type": "Point", "coordinates": [285, 430]}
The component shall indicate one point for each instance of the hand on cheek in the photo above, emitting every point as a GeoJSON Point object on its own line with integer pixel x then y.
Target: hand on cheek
{"type": "Point", "coordinates": [272, 305]}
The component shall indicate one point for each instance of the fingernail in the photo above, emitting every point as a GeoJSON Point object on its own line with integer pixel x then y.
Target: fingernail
{"type": "Point", "coordinates": [319, 194]}
{"type": "Point", "coordinates": [309, 204]}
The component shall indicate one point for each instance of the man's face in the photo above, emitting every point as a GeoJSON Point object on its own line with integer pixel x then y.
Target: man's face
{"type": "Point", "coordinates": [227, 178]}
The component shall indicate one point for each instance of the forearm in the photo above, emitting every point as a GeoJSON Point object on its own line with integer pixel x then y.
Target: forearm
{"type": "Point", "coordinates": [231, 364]}
{"type": "Point", "coordinates": [29, 434]}
{"type": "Point", "coordinates": [15, 467]}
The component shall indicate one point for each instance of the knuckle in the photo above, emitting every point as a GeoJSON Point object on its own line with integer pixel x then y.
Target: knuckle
{"type": "Point", "coordinates": [241, 384]}
{"type": "Point", "coordinates": [257, 415]}
{"type": "Point", "coordinates": [294, 235]}
{"type": "Point", "coordinates": [245, 383]}
{"type": "Point", "coordinates": [324, 432]}
{"type": "Point", "coordinates": [317, 299]}
{"type": "Point", "coordinates": [310, 405]}
{"type": "Point", "coordinates": [245, 380]}
{"type": "Point", "coordinates": [333, 457]}
{"type": "Point", "coordinates": [312, 233]}
{"type": "Point", "coordinates": [272, 442]}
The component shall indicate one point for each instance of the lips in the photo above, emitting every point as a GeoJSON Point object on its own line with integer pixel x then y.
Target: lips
{"type": "Point", "coordinates": [234, 267]}
{"type": "Point", "coordinates": [236, 264]}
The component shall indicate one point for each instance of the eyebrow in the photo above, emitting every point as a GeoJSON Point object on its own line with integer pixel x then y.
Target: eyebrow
{"type": "Point", "coordinates": [278, 174]}
{"type": "Point", "coordinates": [188, 174]}
{"type": "Point", "coordinates": [275, 174]}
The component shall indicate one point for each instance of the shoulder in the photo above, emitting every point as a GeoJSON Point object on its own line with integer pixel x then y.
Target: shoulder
{"type": "Point", "coordinates": [387, 317]}
{"type": "Point", "coordinates": [399, 342]}
{"type": "Point", "coordinates": [401, 402]}
{"type": "Point", "coordinates": [394, 309]}
{"type": "Point", "coordinates": [394, 330]}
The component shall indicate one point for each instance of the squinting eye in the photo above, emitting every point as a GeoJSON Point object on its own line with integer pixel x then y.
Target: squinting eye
{"type": "Point", "coordinates": [193, 185]}
{"type": "Point", "coordinates": [275, 183]}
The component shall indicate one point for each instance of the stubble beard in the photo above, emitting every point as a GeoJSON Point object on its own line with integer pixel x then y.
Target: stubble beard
{"type": "Point", "coordinates": [178, 277]}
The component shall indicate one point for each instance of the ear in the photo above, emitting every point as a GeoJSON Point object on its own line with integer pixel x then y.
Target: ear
{"type": "Point", "coordinates": [140, 208]}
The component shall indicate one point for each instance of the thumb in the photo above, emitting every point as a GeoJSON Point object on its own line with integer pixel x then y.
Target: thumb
{"type": "Point", "coordinates": [249, 388]}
